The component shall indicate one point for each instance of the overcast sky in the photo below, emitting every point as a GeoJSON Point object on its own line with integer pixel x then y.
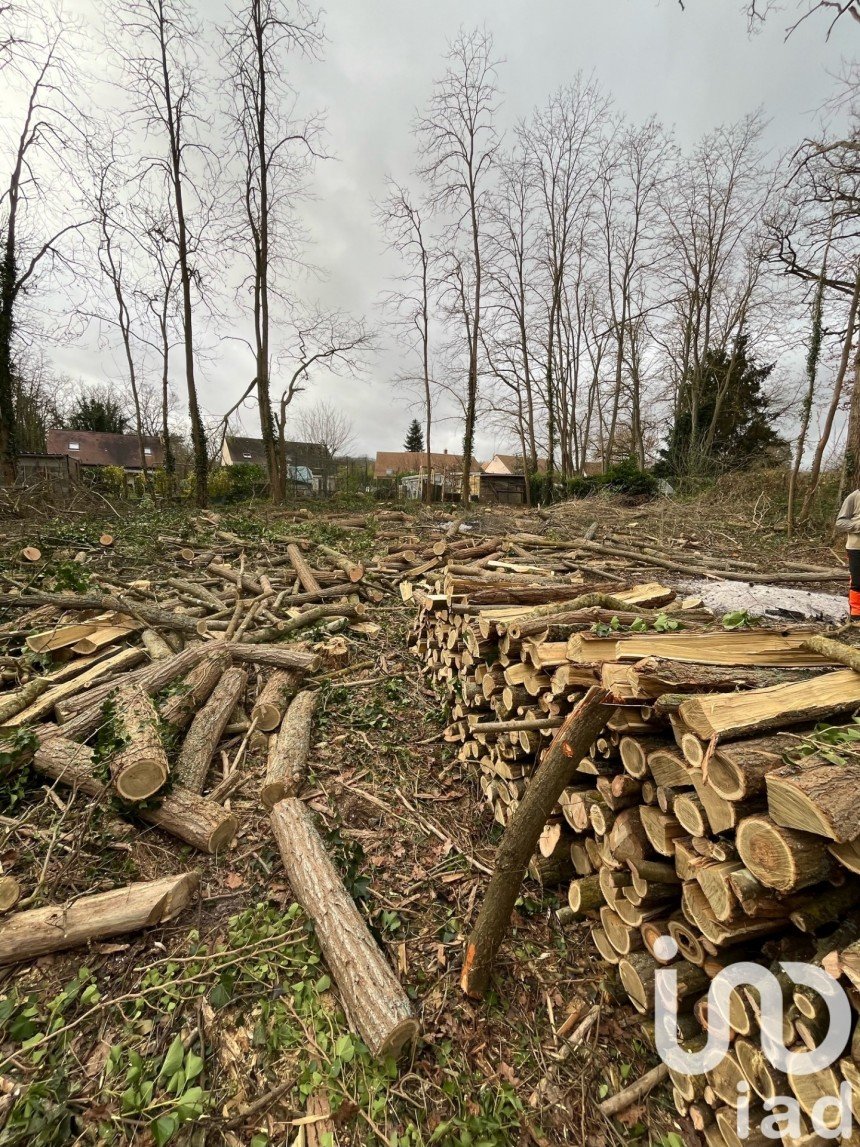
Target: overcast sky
{"type": "Point", "coordinates": [694, 69]}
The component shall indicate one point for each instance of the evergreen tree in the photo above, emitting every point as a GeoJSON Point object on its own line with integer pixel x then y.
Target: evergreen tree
{"type": "Point", "coordinates": [415, 438]}
{"type": "Point", "coordinates": [97, 412]}
{"type": "Point", "coordinates": [734, 420]}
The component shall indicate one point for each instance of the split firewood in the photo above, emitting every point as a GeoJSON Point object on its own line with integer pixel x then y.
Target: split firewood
{"type": "Point", "coordinates": [66, 684]}
{"type": "Point", "coordinates": [374, 1001]}
{"type": "Point", "coordinates": [189, 817]}
{"type": "Point", "coordinates": [26, 935]}
{"type": "Point", "coordinates": [138, 765]}
{"type": "Point", "coordinates": [207, 729]}
{"type": "Point", "coordinates": [288, 762]}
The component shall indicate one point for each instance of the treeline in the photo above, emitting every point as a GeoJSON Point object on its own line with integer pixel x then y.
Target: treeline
{"type": "Point", "coordinates": [598, 292]}
{"type": "Point", "coordinates": [582, 285]}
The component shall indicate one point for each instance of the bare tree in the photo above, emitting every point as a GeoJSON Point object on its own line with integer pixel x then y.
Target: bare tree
{"type": "Point", "coordinates": [113, 265]}
{"type": "Point", "coordinates": [164, 74]}
{"type": "Point", "coordinates": [273, 152]}
{"type": "Point", "coordinates": [404, 229]}
{"type": "Point", "coordinates": [326, 424]}
{"type": "Point", "coordinates": [50, 136]}
{"type": "Point", "coordinates": [562, 144]}
{"type": "Point", "coordinates": [458, 144]}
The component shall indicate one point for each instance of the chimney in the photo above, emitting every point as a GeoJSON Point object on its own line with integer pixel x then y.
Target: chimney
{"type": "Point", "coordinates": [445, 451]}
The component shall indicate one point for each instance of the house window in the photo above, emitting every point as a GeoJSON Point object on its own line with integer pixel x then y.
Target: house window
{"type": "Point", "coordinates": [389, 472]}
{"type": "Point", "coordinates": [248, 456]}
{"type": "Point", "coordinates": [74, 445]}
{"type": "Point", "coordinates": [147, 450]}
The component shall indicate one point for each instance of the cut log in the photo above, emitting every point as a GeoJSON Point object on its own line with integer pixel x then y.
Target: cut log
{"type": "Point", "coordinates": [288, 762]}
{"type": "Point", "coordinates": [278, 656]}
{"type": "Point", "coordinates": [189, 817]}
{"type": "Point", "coordinates": [177, 710]}
{"type": "Point", "coordinates": [781, 858]}
{"type": "Point", "coordinates": [568, 747]}
{"type": "Point", "coordinates": [138, 766]}
{"type": "Point", "coordinates": [817, 796]}
{"type": "Point", "coordinates": [26, 935]}
{"type": "Point", "coordinates": [353, 570]}
{"type": "Point", "coordinates": [207, 729]}
{"type": "Point", "coordinates": [737, 769]}
{"type": "Point", "coordinates": [272, 703]}
{"type": "Point", "coordinates": [732, 715]}
{"type": "Point", "coordinates": [303, 570]}
{"type": "Point", "coordinates": [654, 676]}
{"type": "Point", "coordinates": [373, 999]}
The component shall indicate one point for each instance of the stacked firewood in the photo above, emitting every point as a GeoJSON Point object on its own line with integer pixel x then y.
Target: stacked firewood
{"type": "Point", "coordinates": [711, 809]}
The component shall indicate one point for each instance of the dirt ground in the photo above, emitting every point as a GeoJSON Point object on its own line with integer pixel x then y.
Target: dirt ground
{"type": "Point", "coordinates": [223, 1027]}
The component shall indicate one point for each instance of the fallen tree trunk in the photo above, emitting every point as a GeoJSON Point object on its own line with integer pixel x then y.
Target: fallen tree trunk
{"type": "Point", "coordinates": [570, 744]}
{"type": "Point", "coordinates": [207, 729]}
{"type": "Point", "coordinates": [318, 612]}
{"type": "Point", "coordinates": [288, 762]}
{"type": "Point", "coordinates": [303, 570]}
{"type": "Point", "coordinates": [57, 688]}
{"type": "Point", "coordinates": [26, 935]}
{"type": "Point", "coordinates": [138, 767]}
{"type": "Point", "coordinates": [353, 570]}
{"type": "Point", "coordinates": [189, 817]}
{"type": "Point", "coordinates": [272, 703]}
{"type": "Point", "coordinates": [177, 710]}
{"type": "Point", "coordinates": [279, 656]}
{"type": "Point", "coordinates": [373, 998]}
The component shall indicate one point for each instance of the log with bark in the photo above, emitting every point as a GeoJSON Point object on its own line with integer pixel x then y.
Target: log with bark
{"type": "Point", "coordinates": [138, 762]}
{"type": "Point", "coordinates": [26, 935]}
{"type": "Point", "coordinates": [189, 817]}
{"type": "Point", "coordinates": [288, 761]}
{"type": "Point", "coordinates": [207, 729]}
{"type": "Point", "coordinates": [375, 1003]}
{"type": "Point", "coordinates": [274, 699]}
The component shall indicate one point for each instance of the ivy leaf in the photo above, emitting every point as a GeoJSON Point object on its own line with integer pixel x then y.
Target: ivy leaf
{"type": "Point", "coordinates": [173, 1060]}
{"type": "Point", "coordinates": [164, 1128]}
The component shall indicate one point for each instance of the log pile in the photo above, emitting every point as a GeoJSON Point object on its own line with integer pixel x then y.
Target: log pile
{"type": "Point", "coordinates": [708, 809]}
{"type": "Point", "coordinates": [150, 695]}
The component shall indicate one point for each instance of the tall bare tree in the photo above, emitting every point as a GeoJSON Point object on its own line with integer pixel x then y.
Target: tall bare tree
{"type": "Point", "coordinates": [273, 151]}
{"type": "Point", "coordinates": [405, 231]}
{"type": "Point", "coordinates": [327, 424]}
{"type": "Point", "coordinates": [562, 144]}
{"type": "Point", "coordinates": [42, 154]}
{"type": "Point", "coordinates": [160, 45]}
{"type": "Point", "coordinates": [458, 144]}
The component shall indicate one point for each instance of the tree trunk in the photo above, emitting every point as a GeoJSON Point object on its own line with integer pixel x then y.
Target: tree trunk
{"type": "Point", "coordinates": [177, 710]}
{"type": "Point", "coordinates": [569, 745]}
{"type": "Point", "coordinates": [189, 817]}
{"type": "Point", "coordinates": [207, 728]}
{"type": "Point", "coordinates": [373, 999]}
{"type": "Point", "coordinates": [288, 762]}
{"type": "Point", "coordinates": [139, 766]}
{"type": "Point", "coordinates": [272, 703]}
{"type": "Point", "coordinates": [27, 935]}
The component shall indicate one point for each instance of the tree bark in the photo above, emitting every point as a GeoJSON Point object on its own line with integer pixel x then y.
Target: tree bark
{"type": "Point", "coordinates": [207, 728]}
{"type": "Point", "coordinates": [569, 745]}
{"type": "Point", "coordinates": [288, 762]}
{"type": "Point", "coordinates": [26, 935]}
{"type": "Point", "coordinates": [373, 999]}
{"type": "Point", "coordinates": [177, 710]}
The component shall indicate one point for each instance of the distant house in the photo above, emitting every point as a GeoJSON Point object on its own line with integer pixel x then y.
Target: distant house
{"type": "Point", "coordinates": [514, 464]}
{"type": "Point", "coordinates": [308, 463]}
{"type": "Point", "coordinates": [93, 448]}
{"type": "Point", "coordinates": [407, 469]}
{"type": "Point", "coordinates": [511, 464]}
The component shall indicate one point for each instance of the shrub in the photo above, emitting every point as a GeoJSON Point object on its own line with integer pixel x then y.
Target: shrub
{"type": "Point", "coordinates": [238, 483]}
{"type": "Point", "coordinates": [621, 478]}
